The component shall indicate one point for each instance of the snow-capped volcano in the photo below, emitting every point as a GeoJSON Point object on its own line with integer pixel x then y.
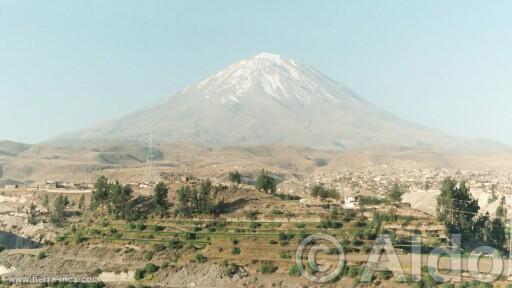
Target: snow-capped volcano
{"type": "Point", "coordinates": [283, 79]}
{"type": "Point", "coordinates": [268, 99]}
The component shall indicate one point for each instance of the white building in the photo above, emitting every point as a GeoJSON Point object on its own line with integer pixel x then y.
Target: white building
{"type": "Point", "coordinates": [351, 202]}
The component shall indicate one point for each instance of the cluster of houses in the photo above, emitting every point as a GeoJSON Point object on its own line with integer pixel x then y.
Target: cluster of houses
{"type": "Point", "coordinates": [351, 185]}
{"type": "Point", "coordinates": [379, 182]}
{"type": "Point", "coordinates": [11, 186]}
{"type": "Point", "coordinates": [58, 184]}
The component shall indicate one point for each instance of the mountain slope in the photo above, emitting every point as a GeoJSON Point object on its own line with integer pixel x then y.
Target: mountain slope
{"type": "Point", "coordinates": [268, 99]}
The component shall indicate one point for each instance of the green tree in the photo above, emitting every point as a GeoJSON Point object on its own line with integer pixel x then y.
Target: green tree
{"type": "Point", "coordinates": [456, 207]}
{"type": "Point", "coordinates": [31, 214]}
{"type": "Point", "coordinates": [160, 194]}
{"type": "Point", "coordinates": [203, 198]}
{"type": "Point", "coordinates": [316, 190]}
{"type": "Point", "coordinates": [395, 193]}
{"type": "Point", "coordinates": [501, 211]}
{"type": "Point", "coordinates": [81, 203]}
{"type": "Point", "coordinates": [490, 231]}
{"type": "Point", "coordinates": [235, 177]}
{"type": "Point", "coordinates": [191, 200]}
{"type": "Point", "coordinates": [58, 214]}
{"type": "Point", "coordinates": [428, 281]}
{"type": "Point", "coordinates": [184, 200]}
{"type": "Point", "coordinates": [493, 196]}
{"type": "Point", "coordinates": [482, 227]}
{"type": "Point", "coordinates": [266, 183]}
{"type": "Point", "coordinates": [46, 202]}
{"type": "Point", "coordinates": [120, 201]}
{"type": "Point", "coordinates": [497, 233]}
{"type": "Point", "coordinates": [100, 194]}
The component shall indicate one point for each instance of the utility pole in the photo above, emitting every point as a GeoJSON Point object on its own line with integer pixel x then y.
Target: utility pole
{"type": "Point", "coordinates": [149, 158]}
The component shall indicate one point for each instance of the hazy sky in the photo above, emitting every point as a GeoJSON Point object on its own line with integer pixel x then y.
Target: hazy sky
{"type": "Point", "coordinates": [65, 65]}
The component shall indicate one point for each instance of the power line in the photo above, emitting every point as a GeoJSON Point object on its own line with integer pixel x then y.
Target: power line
{"type": "Point", "coordinates": [461, 211]}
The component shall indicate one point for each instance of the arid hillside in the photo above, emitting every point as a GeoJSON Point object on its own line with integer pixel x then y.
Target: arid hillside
{"type": "Point", "coordinates": [129, 162]}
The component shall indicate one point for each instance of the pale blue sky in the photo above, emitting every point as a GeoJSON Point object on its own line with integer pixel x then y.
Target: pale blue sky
{"type": "Point", "coordinates": [66, 65]}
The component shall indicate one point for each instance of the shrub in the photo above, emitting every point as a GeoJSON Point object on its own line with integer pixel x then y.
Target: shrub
{"type": "Point", "coordinates": [284, 255]}
{"type": "Point", "coordinates": [157, 228]}
{"type": "Point", "coordinates": [361, 223]}
{"type": "Point", "coordinates": [140, 225]}
{"type": "Point", "coordinates": [165, 265]}
{"type": "Point", "coordinates": [201, 258]}
{"type": "Point", "coordinates": [139, 274]}
{"type": "Point", "coordinates": [303, 235]}
{"type": "Point", "coordinates": [285, 236]}
{"type": "Point", "coordinates": [252, 215]}
{"type": "Point", "coordinates": [268, 267]}
{"type": "Point", "coordinates": [93, 231]}
{"type": "Point", "coordinates": [325, 224]}
{"type": "Point", "coordinates": [332, 251]}
{"type": "Point", "coordinates": [148, 255]}
{"type": "Point", "coordinates": [385, 275]}
{"type": "Point", "coordinates": [287, 197]}
{"type": "Point", "coordinates": [190, 236]}
{"type": "Point", "coordinates": [79, 238]}
{"type": "Point", "coordinates": [231, 269]}
{"type": "Point", "coordinates": [322, 192]}
{"type": "Point", "coordinates": [175, 244]}
{"type": "Point", "coordinates": [60, 238]}
{"type": "Point", "coordinates": [235, 250]}
{"type": "Point", "coordinates": [300, 225]}
{"type": "Point", "coordinates": [41, 255]}
{"type": "Point", "coordinates": [353, 271]}
{"type": "Point", "coordinates": [159, 247]}
{"type": "Point", "coordinates": [97, 272]}
{"type": "Point", "coordinates": [151, 268]}
{"type": "Point", "coordinates": [104, 222]}
{"type": "Point", "coordinates": [294, 270]}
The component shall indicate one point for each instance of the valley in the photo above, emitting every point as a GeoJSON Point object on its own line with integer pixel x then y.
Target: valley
{"type": "Point", "coordinates": [254, 231]}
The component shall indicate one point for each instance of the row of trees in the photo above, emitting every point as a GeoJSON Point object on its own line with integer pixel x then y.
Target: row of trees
{"type": "Point", "coordinates": [113, 197]}
{"type": "Point", "coordinates": [201, 201]}
{"type": "Point", "coordinates": [264, 182]}
{"type": "Point", "coordinates": [119, 202]}
{"type": "Point", "coordinates": [459, 211]}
